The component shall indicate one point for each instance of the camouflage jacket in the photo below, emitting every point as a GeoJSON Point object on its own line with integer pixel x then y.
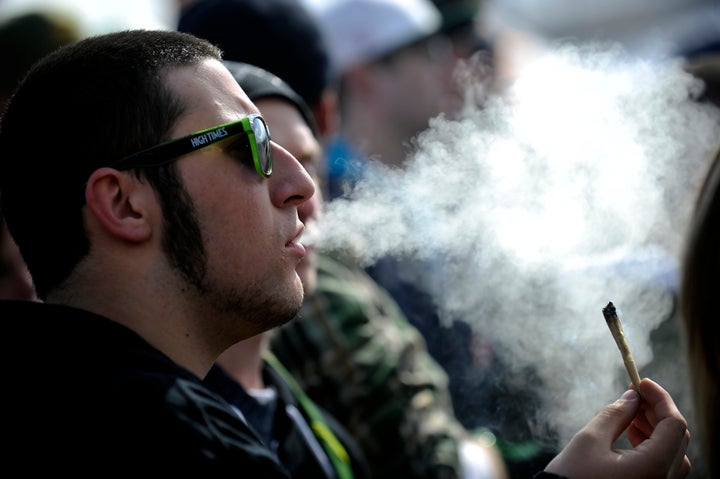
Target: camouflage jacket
{"type": "Point", "coordinates": [356, 355]}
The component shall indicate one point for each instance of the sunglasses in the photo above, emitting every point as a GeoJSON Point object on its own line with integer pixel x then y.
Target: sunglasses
{"type": "Point", "coordinates": [253, 127]}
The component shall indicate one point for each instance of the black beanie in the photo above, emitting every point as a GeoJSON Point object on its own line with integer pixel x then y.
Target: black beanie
{"type": "Point", "coordinates": [258, 83]}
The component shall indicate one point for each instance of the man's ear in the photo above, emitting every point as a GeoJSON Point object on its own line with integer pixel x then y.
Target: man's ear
{"type": "Point", "coordinates": [121, 204]}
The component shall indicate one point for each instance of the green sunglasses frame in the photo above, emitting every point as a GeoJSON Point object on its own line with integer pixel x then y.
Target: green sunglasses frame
{"type": "Point", "coordinates": [171, 150]}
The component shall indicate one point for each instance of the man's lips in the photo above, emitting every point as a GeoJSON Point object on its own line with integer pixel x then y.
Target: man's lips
{"type": "Point", "coordinates": [295, 242]}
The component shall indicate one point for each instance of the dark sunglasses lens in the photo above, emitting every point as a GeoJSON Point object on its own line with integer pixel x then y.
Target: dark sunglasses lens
{"type": "Point", "coordinates": [262, 138]}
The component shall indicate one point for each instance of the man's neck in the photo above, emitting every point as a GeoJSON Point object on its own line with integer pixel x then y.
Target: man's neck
{"type": "Point", "coordinates": [243, 361]}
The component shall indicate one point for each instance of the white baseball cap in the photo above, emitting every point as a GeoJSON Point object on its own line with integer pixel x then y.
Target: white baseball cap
{"type": "Point", "coordinates": [358, 31]}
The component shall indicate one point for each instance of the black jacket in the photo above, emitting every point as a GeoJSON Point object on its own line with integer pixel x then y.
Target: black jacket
{"type": "Point", "coordinates": [87, 396]}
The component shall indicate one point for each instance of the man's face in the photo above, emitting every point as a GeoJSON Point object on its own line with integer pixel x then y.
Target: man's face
{"type": "Point", "coordinates": [417, 83]}
{"type": "Point", "coordinates": [292, 132]}
{"type": "Point", "coordinates": [249, 225]}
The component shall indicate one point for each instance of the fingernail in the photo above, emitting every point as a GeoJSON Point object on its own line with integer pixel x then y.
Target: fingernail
{"type": "Point", "coordinates": [630, 395]}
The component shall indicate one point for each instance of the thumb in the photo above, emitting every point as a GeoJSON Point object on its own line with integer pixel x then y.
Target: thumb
{"type": "Point", "coordinates": [614, 418]}
{"type": "Point", "coordinates": [594, 441]}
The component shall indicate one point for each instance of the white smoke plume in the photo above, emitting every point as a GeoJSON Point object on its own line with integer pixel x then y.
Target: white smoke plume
{"type": "Point", "coordinates": [571, 190]}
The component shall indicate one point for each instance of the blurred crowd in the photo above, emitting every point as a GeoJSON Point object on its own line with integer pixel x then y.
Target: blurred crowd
{"type": "Point", "coordinates": [402, 389]}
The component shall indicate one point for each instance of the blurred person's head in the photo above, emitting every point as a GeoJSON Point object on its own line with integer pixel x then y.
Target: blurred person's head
{"type": "Point", "coordinates": [396, 69]}
{"type": "Point", "coordinates": [362, 31]}
{"type": "Point", "coordinates": [27, 37]}
{"type": "Point", "coordinates": [291, 125]}
{"type": "Point", "coordinates": [280, 36]}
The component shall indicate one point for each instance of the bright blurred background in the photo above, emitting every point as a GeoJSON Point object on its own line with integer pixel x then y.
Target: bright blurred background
{"type": "Point", "coordinates": [646, 26]}
{"type": "Point", "coordinates": [101, 16]}
{"type": "Point", "coordinates": [520, 29]}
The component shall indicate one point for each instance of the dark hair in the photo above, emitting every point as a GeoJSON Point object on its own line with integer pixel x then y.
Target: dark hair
{"type": "Point", "coordinates": [80, 108]}
{"type": "Point", "coordinates": [700, 312]}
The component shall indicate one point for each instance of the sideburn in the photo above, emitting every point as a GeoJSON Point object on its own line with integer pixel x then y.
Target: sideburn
{"type": "Point", "coordinates": [182, 238]}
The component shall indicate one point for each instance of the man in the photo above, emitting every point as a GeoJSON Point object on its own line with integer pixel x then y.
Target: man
{"type": "Point", "coordinates": [154, 251]}
{"type": "Point", "coordinates": [160, 226]}
{"type": "Point", "coordinates": [308, 441]}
